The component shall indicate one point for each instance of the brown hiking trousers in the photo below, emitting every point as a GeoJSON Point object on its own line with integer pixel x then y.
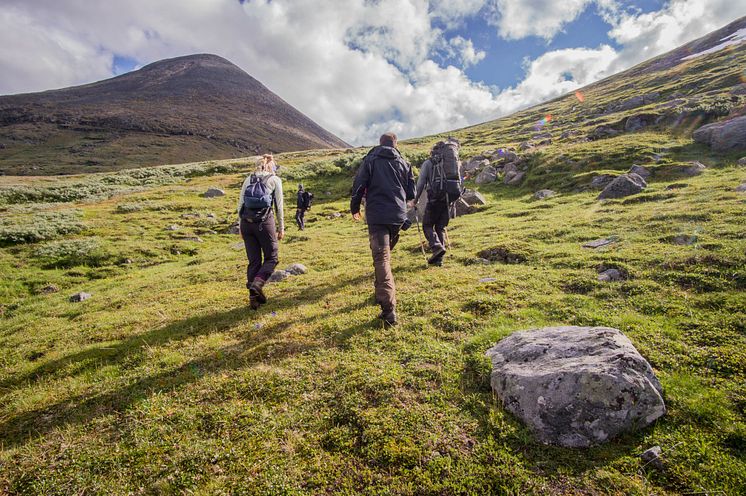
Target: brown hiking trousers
{"type": "Point", "coordinates": [383, 238]}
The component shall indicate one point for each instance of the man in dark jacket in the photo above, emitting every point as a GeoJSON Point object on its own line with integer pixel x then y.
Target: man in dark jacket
{"type": "Point", "coordinates": [386, 181]}
{"type": "Point", "coordinates": [303, 204]}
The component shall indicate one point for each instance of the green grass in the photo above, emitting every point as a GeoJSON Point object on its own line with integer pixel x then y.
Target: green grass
{"type": "Point", "coordinates": [164, 382]}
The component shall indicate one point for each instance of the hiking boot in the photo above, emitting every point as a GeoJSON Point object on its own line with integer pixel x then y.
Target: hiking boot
{"type": "Point", "coordinates": [388, 318]}
{"type": "Point", "coordinates": [437, 257]}
{"type": "Point", "coordinates": [256, 290]}
{"type": "Point", "coordinates": [253, 302]}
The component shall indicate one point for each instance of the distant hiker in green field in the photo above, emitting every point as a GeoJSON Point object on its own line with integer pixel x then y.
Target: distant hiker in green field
{"type": "Point", "coordinates": [260, 191]}
{"type": "Point", "coordinates": [304, 203]}
{"type": "Point", "coordinates": [440, 175]}
{"type": "Point", "coordinates": [386, 182]}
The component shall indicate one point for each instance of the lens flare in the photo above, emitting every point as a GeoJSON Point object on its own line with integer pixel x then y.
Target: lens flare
{"type": "Point", "coordinates": [543, 122]}
{"type": "Point", "coordinates": [580, 96]}
{"type": "Point", "coordinates": [743, 77]}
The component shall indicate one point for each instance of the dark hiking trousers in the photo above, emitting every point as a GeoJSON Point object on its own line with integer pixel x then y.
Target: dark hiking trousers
{"type": "Point", "coordinates": [434, 223]}
{"type": "Point", "coordinates": [262, 248]}
{"type": "Point", "coordinates": [300, 218]}
{"type": "Point", "coordinates": [383, 238]}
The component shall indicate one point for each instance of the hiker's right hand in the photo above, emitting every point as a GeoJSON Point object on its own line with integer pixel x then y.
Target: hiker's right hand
{"type": "Point", "coordinates": [411, 204]}
{"type": "Point", "coordinates": [280, 235]}
{"type": "Point", "coordinates": [357, 216]}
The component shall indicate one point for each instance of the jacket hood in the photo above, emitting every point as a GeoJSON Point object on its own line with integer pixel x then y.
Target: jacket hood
{"type": "Point", "coordinates": [385, 152]}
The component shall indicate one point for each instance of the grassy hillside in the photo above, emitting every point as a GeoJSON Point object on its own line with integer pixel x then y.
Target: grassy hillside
{"type": "Point", "coordinates": [164, 382]}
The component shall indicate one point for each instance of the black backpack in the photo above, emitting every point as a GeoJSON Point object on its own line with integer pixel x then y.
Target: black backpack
{"type": "Point", "coordinates": [445, 183]}
{"type": "Point", "coordinates": [307, 199]}
{"type": "Point", "coordinates": [257, 200]}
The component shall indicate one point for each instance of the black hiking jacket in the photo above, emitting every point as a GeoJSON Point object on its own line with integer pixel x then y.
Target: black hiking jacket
{"type": "Point", "coordinates": [386, 181]}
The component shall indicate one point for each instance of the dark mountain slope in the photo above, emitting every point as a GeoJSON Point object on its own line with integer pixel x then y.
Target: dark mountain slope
{"type": "Point", "coordinates": [183, 109]}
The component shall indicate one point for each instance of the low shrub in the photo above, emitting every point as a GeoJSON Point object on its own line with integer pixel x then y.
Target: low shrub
{"type": "Point", "coordinates": [71, 253]}
{"type": "Point", "coordinates": [41, 227]}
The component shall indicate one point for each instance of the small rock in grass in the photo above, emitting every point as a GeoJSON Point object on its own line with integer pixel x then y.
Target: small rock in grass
{"type": "Point", "coordinates": [741, 188]}
{"type": "Point", "coordinates": [684, 239]}
{"type": "Point", "coordinates": [237, 246]}
{"type": "Point", "coordinates": [488, 279]}
{"type": "Point", "coordinates": [328, 193]}
{"type": "Point", "coordinates": [49, 288]}
{"type": "Point", "coordinates": [213, 193]}
{"type": "Point", "coordinates": [211, 216]}
{"type": "Point", "coordinates": [694, 169]}
{"type": "Point", "coordinates": [233, 228]}
{"type": "Point", "coordinates": [641, 171]}
{"type": "Point", "coordinates": [172, 227]}
{"type": "Point", "coordinates": [278, 275]}
{"type": "Point", "coordinates": [334, 215]}
{"type": "Point", "coordinates": [601, 181]}
{"type": "Point", "coordinates": [598, 243]}
{"type": "Point", "coordinates": [610, 275]}
{"type": "Point", "coordinates": [624, 185]}
{"type": "Point", "coordinates": [652, 457]}
{"type": "Point", "coordinates": [676, 186]}
{"type": "Point", "coordinates": [77, 297]}
{"type": "Point", "coordinates": [296, 269]}
{"type": "Point", "coordinates": [488, 175]}
{"type": "Point", "coordinates": [544, 193]}
{"type": "Point", "coordinates": [741, 161]}
{"type": "Point", "coordinates": [513, 178]}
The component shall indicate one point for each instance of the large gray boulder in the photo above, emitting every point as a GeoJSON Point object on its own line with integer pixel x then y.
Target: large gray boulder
{"type": "Point", "coordinates": [296, 269]}
{"type": "Point", "coordinates": [488, 175]}
{"type": "Point", "coordinates": [475, 163]}
{"type": "Point", "coordinates": [724, 135]}
{"type": "Point", "coordinates": [575, 386]}
{"type": "Point", "coordinates": [624, 185]}
{"type": "Point", "coordinates": [641, 171]}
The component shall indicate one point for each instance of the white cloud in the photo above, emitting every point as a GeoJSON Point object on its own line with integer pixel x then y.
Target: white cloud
{"type": "Point", "coordinates": [516, 19]}
{"type": "Point", "coordinates": [357, 68]}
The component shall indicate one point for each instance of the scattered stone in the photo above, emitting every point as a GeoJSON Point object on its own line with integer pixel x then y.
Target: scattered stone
{"type": "Point", "coordinates": [610, 275]}
{"type": "Point", "coordinates": [694, 168]}
{"type": "Point", "coordinates": [513, 178]}
{"type": "Point", "coordinates": [684, 239]}
{"type": "Point", "coordinates": [127, 261]}
{"type": "Point", "coordinates": [49, 289]}
{"type": "Point", "coordinates": [172, 227]}
{"type": "Point", "coordinates": [656, 157]}
{"type": "Point", "coordinates": [602, 132]}
{"type": "Point", "coordinates": [213, 193]}
{"type": "Point", "coordinates": [278, 275]}
{"type": "Point", "coordinates": [540, 136]}
{"type": "Point", "coordinates": [237, 246]}
{"type": "Point", "coordinates": [525, 146]}
{"type": "Point", "coordinates": [481, 261]}
{"type": "Point", "coordinates": [476, 163]}
{"type": "Point", "coordinates": [569, 133]}
{"type": "Point", "coordinates": [233, 228]}
{"type": "Point", "coordinates": [624, 185]}
{"type": "Point", "coordinates": [488, 175]}
{"type": "Point", "coordinates": [738, 90]}
{"type": "Point", "coordinates": [598, 243]}
{"type": "Point", "coordinates": [602, 180]}
{"type": "Point", "coordinates": [488, 279]}
{"type": "Point", "coordinates": [635, 101]}
{"type": "Point", "coordinates": [195, 239]}
{"type": "Point", "coordinates": [211, 216]}
{"type": "Point", "coordinates": [78, 297]}
{"type": "Point", "coordinates": [724, 135]}
{"type": "Point", "coordinates": [334, 215]}
{"type": "Point", "coordinates": [641, 171]}
{"type": "Point", "coordinates": [192, 215]}
{"type": "Point", "coordinates": [296, 269]}
{"type": "Point", "coordinates": [741, 188]}
{"type": "Point", "coordinates": [741, 161]}
{"type": "Point", "coordinates": [640, 121]}
{"type": "Point", "coordinates": [328, 193]}
{"type": "Point", "coordinates": [503, 156]}
{"type": "Point", "coordinates": [575, 386]}
{"type": "Point", "coordinates": [473, 198]}
{"type": "Point", "coordinates": [652, 457]}
{"type": "Point", "coordinates": [674, 186]}
{"type": "Point", "coordinates": [544, 193]}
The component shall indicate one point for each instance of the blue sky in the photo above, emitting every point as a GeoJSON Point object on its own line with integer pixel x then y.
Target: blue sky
{"type": "Point", "coordinates": [357, 67]}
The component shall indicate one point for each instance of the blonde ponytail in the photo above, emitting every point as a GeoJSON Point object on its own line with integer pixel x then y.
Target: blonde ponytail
{"type": "Point", "coordinates": [265, 163]}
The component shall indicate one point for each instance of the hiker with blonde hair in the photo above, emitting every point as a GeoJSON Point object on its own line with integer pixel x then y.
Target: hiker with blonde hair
{"type": "Point", "coordinates": [260, 231]}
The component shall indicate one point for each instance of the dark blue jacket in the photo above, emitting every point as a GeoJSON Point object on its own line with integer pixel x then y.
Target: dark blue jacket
{"type": "Point", "coordinates": [386, 181]}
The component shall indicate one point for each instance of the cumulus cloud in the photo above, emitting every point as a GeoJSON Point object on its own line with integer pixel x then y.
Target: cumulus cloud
{"type": "Point", "coordinates": [357, 68]}
{"type": "Point", "coordinates": [517, 19]}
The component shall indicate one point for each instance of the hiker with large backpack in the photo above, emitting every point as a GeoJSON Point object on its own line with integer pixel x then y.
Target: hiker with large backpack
{"type": "Point", "coordinates": [386, 182]}
{"type": "Point", "coordinates": [260, 192]}
{"type": "Point", "coordinates": [304, 203]}
{"type": "Point", "coordinates": [440, 175]}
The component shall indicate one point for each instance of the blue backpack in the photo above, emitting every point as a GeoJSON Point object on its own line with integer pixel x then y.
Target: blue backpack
{"type": "Point", "coordinates": [257, 200]}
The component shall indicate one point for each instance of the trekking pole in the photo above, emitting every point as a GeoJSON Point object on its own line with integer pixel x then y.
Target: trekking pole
{"type": "Point", "coordinates": [419, 233]}
{"type": "Point", "coordinates": [448, 240]}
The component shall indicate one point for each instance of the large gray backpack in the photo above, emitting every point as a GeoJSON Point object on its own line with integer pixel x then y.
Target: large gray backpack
{"type": "Point", "coordinates": [446, 183]}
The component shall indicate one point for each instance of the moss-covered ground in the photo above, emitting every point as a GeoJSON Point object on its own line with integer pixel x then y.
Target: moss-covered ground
{"type": "Point", "coordinates": [165, 382]}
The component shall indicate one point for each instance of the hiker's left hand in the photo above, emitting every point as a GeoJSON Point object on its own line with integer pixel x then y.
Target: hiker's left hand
{"type": "Point", "coordinates": [357, 216]}
{"type": "Point", "coordinates": [280, 235]}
